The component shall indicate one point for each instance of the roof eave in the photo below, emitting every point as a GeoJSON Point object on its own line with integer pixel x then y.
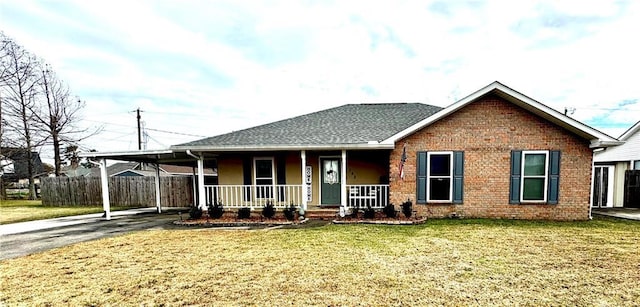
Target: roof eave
{"type": "Point", "coordinates": [229, 148]}
{"type": "Point", "coordinates": [596, 143]}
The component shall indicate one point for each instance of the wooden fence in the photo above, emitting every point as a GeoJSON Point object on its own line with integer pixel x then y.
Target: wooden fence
{"type": "Point", "coordinates": [127, 191]}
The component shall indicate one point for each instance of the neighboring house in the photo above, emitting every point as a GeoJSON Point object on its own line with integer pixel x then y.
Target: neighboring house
{"type": "Point", "coordinates": [127, 169]}
{"type": "Point", "coordinates": [122, 169]}
{"type": "Point", "coordinates": [617, 172]}
{"type": "Point", "coordinates": [15, 165]}
{"type": "Point", "coordinates": [496, 153]}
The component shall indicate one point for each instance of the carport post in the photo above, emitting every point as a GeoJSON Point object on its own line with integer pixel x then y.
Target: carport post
{"type": "Point", "coordinates": [158, 188]}
{"type": "Point", "coordinates": [201, 196]}
{"type": "Point", "coordinates": [104, 180]}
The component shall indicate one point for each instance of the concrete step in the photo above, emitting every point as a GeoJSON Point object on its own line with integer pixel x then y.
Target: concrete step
{"type": "Point", "coordinates": [321, 214]}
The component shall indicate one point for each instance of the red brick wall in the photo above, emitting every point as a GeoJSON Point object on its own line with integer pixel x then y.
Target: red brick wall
{"type": "Point", "coordinates": [487, 130]}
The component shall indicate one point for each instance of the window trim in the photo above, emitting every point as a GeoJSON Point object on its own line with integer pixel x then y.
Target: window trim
{"type": "Point", "coordinates": [545, 177]}
{"type": "Point", "coordinates": [429, 177]}
{"type": "Point", "coordinates": [256, 178]}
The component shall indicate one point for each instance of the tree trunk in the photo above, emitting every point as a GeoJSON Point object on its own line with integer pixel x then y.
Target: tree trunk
{"type": "Point", "coordinates": [56, 154]}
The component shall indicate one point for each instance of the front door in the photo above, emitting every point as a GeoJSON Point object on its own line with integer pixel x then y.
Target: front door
{"type": "Point", "coordinates": [632, 189]}
{"type": "Point", "coordinates": [330, 181]}
{"type": "Point", "coordinates": [603, 187]}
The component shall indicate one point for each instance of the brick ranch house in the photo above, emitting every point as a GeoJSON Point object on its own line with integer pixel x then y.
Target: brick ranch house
{"type": "Point", "coordinates": [494, 154]}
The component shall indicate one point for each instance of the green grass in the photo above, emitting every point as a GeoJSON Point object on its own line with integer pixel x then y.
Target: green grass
{"type": "Point", "coordinates": [13, 211]}
{"type": "Point", "coordinates": [443, 262]}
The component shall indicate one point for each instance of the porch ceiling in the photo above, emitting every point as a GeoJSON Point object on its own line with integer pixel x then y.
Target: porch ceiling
{"type": "Point", "coordinates": [148, 156]}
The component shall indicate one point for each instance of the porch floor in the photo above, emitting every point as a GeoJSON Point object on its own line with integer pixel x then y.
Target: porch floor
{"type": "Point", "coordinates": [623, 213]}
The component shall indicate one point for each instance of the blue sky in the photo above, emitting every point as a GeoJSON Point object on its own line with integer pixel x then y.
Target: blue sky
{"type": "Point", "coordinates": [201, 68]}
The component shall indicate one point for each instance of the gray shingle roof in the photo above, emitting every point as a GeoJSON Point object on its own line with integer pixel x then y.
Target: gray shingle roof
{"type": "Point", "coordinates": [347, 124]}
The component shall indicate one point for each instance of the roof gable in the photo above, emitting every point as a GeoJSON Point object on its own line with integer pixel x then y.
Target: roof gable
{"type": "Point", "coordinates": [347, 125]}
{"type": "Point", "coordinates": [630, 132]}
{"type": "Point", "coordinates": [597, 138]}
{"type": "Point", "coordinates": [628, 151]}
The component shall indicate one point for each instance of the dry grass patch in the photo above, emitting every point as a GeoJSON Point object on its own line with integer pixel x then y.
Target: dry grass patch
{"type": "Point", "coordinates": [445, 262]}
{"type": "Point", "coordinates": [13, 211]}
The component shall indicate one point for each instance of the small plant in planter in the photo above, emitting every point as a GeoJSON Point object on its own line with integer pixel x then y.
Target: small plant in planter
{"type": "Point", "coordinates": [369, 213]}
{"type": "Point", "coordinates": [268, 211]}
{"type": "Point", "coordinates": [389, 211]}
{"type": "Point", "coordinates": [216, 210]}
{"type": "Point", "coordinates": [244, 213]}
{"type": "Point", "coordinates": [290, 212]}
{"type": "Point", "coordinates": [407, 208]}
{"type": "Point", "coordinates": [195, 213]}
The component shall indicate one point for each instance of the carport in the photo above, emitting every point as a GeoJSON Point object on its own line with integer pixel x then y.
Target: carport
{"type": "Point", "coordinates": [155, 157]}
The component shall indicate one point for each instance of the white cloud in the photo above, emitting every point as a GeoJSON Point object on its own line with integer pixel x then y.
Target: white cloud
{"type": "Point", "coordinates": [204, 68]}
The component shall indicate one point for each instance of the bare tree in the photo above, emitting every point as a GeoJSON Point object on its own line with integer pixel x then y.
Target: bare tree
{"type": "Point", "coordinates": [58, 115]}
{"type": "Point", "coordinates": [19, 90]}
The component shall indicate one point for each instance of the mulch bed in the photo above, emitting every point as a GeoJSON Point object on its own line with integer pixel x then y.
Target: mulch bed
{"type": "Point", "coordinates": [380, 219]}
{"type": "Point", "coordinates": [227, 222]}
{"type": "Point", "coordinates": [230, 219]}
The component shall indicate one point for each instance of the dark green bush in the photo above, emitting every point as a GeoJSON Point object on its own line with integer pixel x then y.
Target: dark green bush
{"type": "Point", "coordinates": [195, 213]}
{"type": "Point", "coordinates": [244, 213]}
{"type": "Point", "coordinates": [216, 210]}
{"type": "Point", "coordinates": [354, 212]}
{"type": "Point", "coordinates": [369, 213]}
{"type": "Point", "coordinates": [389, 210]}
{"type": "Point", "coordinates": [407, 208]}
{"type": "Point", "coordinates": [290, 212]}
{"type": "Point", "coordinates": [268, 211]}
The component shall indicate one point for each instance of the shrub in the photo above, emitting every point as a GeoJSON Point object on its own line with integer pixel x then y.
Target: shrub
{"type": "Point", "coordinates": [216, 210]}
{"type": "Point", "coordinates": [195, 213]}
{"type": "Point", "coordinates": [244, 213]}
{"type": "Point", "coordinates": [369, 213]}
{"type": "Point", "coordinates": [354, 212]}
{"type": "Point", "coordinates": [407, 208]}
{"type": "Point", "coordinates": [290, 212]}
{"type": "Point", "coordinates": [268, 211]}
{"type": "Point", "coordinates": [389, 210]}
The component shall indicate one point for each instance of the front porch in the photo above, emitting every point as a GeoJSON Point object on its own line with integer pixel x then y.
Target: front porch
{"type": "Point", "coordinates": [282, 196]}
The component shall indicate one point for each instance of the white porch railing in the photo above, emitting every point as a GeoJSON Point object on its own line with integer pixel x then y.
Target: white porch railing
{"type": "Point", "coordinates": [254, 196]}
{"type": "Point", "coordinates": [367, 195]}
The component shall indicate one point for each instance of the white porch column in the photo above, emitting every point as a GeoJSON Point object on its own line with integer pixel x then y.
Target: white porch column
{"type": "Point", "coordinates": [158, 207]}
{"type": "Point", "coordinates": [194, 185]}
{"type": "Point", "coordinates": [305, 185]}
{"type": "Point", "coordinates": [104, 180]}
{"type": "Point", "coordinates": [201, 196]}
{"type": "Point", "coordinates": [343, 180]}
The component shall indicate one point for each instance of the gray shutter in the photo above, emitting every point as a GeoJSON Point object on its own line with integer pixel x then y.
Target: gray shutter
{"type": "Point", "coordinates": [458, 176]}
{"type": "Point", "coordinates": [554, 177]}
{"type": "Point", "coordinates": [514, 184]}
{"type": "Point", "coordinates": [421, 178]}
{"type": "Point", "coordinates": [246, 174]}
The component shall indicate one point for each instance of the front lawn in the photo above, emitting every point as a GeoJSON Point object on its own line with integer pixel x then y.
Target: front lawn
{"type": "Point", "coordinates": [442, 262]}
{"type": "Point", "coordinates": [13, 211]}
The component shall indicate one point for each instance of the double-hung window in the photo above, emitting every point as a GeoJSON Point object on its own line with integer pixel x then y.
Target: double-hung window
{"type": "Point", "coordinates": [264, 177]}
{"type": "Point", "coordinates": [535, 176]}
{"type": "Point", "coordinates": [440, 177]}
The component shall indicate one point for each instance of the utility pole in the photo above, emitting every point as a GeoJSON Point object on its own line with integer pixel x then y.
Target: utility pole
{"type": "Point", "coordinates": [139, 130]}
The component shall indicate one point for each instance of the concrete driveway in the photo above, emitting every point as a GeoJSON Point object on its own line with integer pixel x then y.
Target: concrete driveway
{"type": "Point", "coordinates": [26, 238]}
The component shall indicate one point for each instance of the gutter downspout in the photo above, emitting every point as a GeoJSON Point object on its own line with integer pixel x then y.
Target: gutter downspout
{"type": "Point", "coordinates": [593, 165]}
{"type": "Point", "coordinates": [104, 183]}
{"type": "Point", "coordinates": [201, 191]}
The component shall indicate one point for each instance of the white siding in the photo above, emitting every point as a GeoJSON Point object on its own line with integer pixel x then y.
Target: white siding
{"type": "Point", "coordinates": [629, 151]}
